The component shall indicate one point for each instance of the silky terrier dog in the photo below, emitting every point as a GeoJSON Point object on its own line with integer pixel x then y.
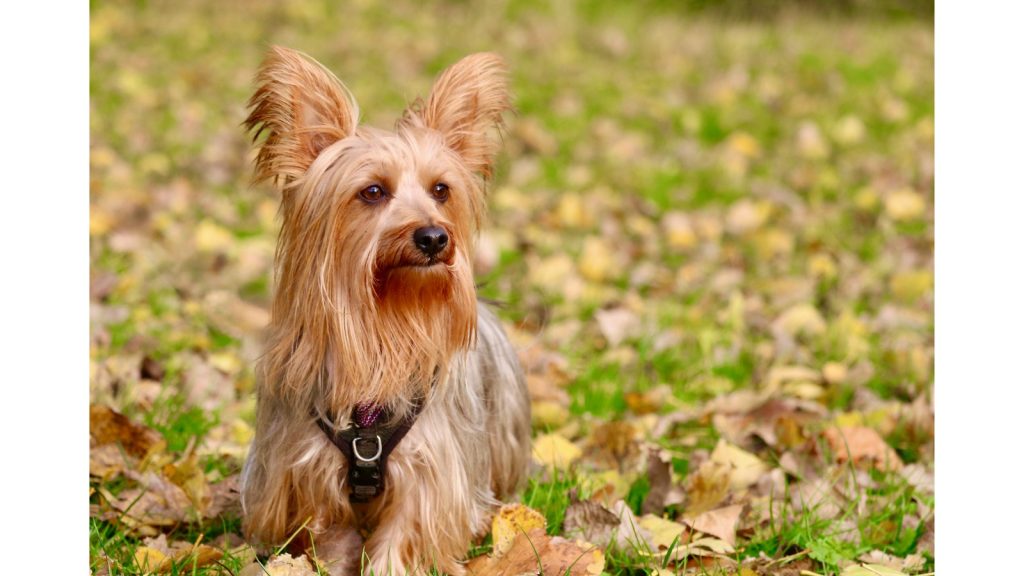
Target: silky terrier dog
{"type": "Point", "coordinates": [391, 405]}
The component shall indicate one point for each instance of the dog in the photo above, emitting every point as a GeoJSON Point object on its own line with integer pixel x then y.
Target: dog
{"type": "Point", "coordinates": [392, 413]}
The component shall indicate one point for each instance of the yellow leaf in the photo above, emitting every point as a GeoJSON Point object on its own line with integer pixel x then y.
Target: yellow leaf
{"type": "Point", "coordinates": [510, 521]}
{"type": "Point", "coordinates": [911, 286]}
{"type": "Point", "coordinates": [149, 559]}
{"type": "Point", "coordinates": [212, 237]}
{"type": "Point", "coordinates": [833, 373]}
{"type": "Point", "coordinates": [663, 532]}
{"type": "Point", "coordinates": [849, 130]}
{"type": "Point", "coordinates": [745, 144]}
{"type": "Point", "coordinates": [550, 274]}
{"type": "Point", "coordinates": [744, 467]}
{"type": "Point", "coordinates": [572, 212]}
{"type": "Point", "coordinates": [679, 231]}
{"type": "Point", "coordinates": [597, 261]}
{"type": "Point", "coordinates": [801, 319]}
{"type": "Point", "coordinates": [554, 451]}
{"type": "Point", "coordinates": [904, 205]}
{"type": "Point", "coordinates": [607, 486]}
{"type": "Point", "coordinates": [226, 362]}
{"type": "Point", "coordinates": [866, 199]}
{"type": "Point", "coordinates": [547, 414]}
{"type": "Point", "coordinates": [100, 222]}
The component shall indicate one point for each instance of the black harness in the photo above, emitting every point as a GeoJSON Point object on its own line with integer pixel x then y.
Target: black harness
{"type": "Point", "coordinates": [366, 443]}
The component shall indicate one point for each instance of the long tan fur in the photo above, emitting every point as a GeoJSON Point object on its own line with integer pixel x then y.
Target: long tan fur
{"type": "Point", "coordinates": [361, 315]}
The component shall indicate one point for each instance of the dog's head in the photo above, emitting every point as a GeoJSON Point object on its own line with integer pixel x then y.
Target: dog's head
{"type": "Point", "coordinates": [378, 227]}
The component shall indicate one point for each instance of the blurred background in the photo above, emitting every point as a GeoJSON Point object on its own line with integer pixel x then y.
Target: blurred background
{"type": "Point", "coordinates": [694, 199]}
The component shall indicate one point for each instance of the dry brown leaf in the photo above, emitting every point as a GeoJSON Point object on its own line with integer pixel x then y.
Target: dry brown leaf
{"type": "Point", "coordinates": [707, 487]}
{"type": "Point", "coordinates": [617, 444]}
{"type": "Point", "coordinates": [662, 491]}
{"type": "Point", "coordinates": [158, 502]}
{"type": "Point", "coordinates": [537, 553]}
{"type": "Point", "coordinates": [590, 521]}
{"type": "Point", "coordinates": [233, 315]}
{"type": "Point", "coordinates": [281, 565]}
{"type": "Point", "coordinates": [107, 460]}
{"type": "Point", "coordinates": [189, 476]}
{"type": "Point", "coordinates": [224, 497]}
{"type": "Point", "coordinates": [720, 523]}
{"type": "Point", "coordinates": [106, 426]}
{"type": "Point", "coordinates": [594, 523]}
{"type": "Point", "coordinates": [863, 447]}
{"type": "Point", "coordinates": [650, 401]}
{"type": "Point", "coordinates": [617, 324]}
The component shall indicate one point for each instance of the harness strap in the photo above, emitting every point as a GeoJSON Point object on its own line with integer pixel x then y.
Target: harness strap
{"type": "Point", "coordinates": [366, 444]}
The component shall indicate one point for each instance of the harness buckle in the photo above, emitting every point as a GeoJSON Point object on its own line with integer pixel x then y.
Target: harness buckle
{"type": "Point", "coordinates": [360, 457]}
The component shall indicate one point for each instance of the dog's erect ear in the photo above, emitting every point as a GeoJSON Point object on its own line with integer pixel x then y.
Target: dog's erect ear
{"type": "Point", "coordinates": [302, 107]}
{"type": "Point", "coordinates": [465, 104]}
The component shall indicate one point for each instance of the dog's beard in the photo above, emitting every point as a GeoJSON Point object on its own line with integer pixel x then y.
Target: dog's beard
{"type": "Point", "coordinates": [417, 319]}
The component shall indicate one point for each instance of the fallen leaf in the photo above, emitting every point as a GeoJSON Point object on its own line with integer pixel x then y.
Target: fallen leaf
{"type": "Point", "coordinates": [904, 205]}
{"type": "Point", "coordinates": [157, 502]}
{"type": "Point", "coordinates": [617, 324]}
{"type": "Point", "coordinates": [744, 217]}
{"type": "Point", "coordinates": [212, 237]}
{"type": "Point", "coordinates": [547, 415]}
{"type": "Point", "coordinates": [589, 520]}
{"type": "Point", "coordinates": [863, 447]}
{"type": "Point", "coordinates": [663, 532]}
{"type": "Point", "coordinates": [849, 130]}
{"type": "Point", "coordinates": [744, 468]}
{"type": "Point", "coordinates": [189, 476]}
{"type": "Point", "coordinates": [870, 570]}
{"type": "Point", "coordinates": [650, 401]}
{"type": "Point", "coordinates": [106, 461]}
{"type": "Point", "coordinates": [149, 559]}
{"type": "Point", "coordinates": [537, 553]}
{"type": "Point", "coordinates": [678, 231]}
{"type": "Point", "coordinates": [802, 319]}
{"type": "Point", "coordinates": [707, 487]}
{"type": "Point", "coordinates": [106, 426]}
{"type": "Point", "coordinates": [662, 491]}
{"type": "Point", "coordinates": [617, 444]}
{"type": "Point", "coordinates": [510, 521]}
{"type": "Point", "coordinates": [809, 141]}
{"type": "Point", "coordinates": [597, 261]}
{"type": "Point", "coordinates": [281, 565]}
{"type": "Point", "coordinates": [834, 373]}
{"type": "Point", "coordinates": [720, 523]}
{"type": "Point", "coordinates": [554, 451]}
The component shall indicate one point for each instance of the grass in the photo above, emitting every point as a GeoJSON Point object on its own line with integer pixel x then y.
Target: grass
{"type": "Point", "coordinates": [705, 169]}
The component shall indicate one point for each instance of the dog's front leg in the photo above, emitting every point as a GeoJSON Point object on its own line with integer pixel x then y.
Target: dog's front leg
{"type": "Point", "coordinates": [429, 511]}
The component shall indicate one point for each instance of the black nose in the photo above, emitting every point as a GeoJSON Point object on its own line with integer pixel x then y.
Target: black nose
{"type": "Point", "coordinates": [430, 239]}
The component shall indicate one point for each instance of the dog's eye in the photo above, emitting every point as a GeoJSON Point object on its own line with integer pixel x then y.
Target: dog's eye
{"type": "Point", "coordinates": [372, 194]}
{"type": "Point", "coordinates": [439, 191]}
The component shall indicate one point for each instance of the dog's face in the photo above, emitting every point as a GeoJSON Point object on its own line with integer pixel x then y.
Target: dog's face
{"type": "Point", "coordinates": [400, 209]}
{"type": "Point", "coordinates": [374, 275]}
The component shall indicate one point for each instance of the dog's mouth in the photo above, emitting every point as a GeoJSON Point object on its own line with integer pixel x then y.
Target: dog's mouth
{"type": "Point", "coordinates": [429, 263]}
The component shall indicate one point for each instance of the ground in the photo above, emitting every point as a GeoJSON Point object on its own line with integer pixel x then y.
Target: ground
{"type": "Point", "coordinates": [710, 238]}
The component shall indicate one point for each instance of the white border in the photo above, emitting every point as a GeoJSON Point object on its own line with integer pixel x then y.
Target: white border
{"type": "Point", "coordinates": [45, 242]}
{"type": "Point", "coordinates": [979, 280]}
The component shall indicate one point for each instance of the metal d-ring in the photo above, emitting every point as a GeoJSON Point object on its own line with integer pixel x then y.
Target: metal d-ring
{"type": "Point", "coordinates": [375, 457]}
